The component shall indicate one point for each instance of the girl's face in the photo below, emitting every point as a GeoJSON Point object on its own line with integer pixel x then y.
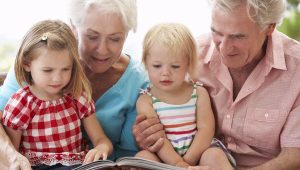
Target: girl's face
{"type": "Point", "coordinates": [166, 71]}
{"type": "Point", "coordinates": [51, 72]}
{"type": "Point", "coordinates": [101, 37]}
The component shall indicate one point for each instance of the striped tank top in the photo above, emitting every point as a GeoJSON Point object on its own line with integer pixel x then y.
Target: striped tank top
{"type": "Point", "coordinates": [179, 121]}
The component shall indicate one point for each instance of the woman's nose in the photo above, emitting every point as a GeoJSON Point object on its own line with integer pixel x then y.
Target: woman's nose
{"type": "Point", "coordinates": [102, 47]}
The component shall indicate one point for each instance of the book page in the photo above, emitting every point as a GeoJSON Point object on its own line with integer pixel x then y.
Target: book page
{"type": "Point", "coordinates": [146, 164]}
{"type": "Point", "coordinates": [97, 165]}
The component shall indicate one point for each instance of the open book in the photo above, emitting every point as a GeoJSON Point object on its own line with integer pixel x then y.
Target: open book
{"type": "Point", "coordinates": [133, 162]}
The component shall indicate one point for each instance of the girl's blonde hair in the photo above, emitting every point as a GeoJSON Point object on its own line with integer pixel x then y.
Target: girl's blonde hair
{"type": "Point", "coordinates": [54, 35]}
{"type": "Point", "coordinates": [178, 38]}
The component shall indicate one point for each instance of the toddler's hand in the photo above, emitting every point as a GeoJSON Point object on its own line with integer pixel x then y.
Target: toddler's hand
{"type": "Point", "coordinates": [182, 164]}
{"type": "Point", "coordinates": [199, 168]}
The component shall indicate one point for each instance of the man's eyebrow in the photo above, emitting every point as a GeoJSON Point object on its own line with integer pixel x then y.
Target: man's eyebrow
{"type": "Point", "coordinates": [213, 30]}
{"type": "Point", "coordinates": [230, 35]}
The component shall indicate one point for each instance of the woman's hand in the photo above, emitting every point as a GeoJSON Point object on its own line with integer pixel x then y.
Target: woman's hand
{"type": "Point", "coordinates": [148, 133]}
{"type": "Point", "coordinates": [21, 163]}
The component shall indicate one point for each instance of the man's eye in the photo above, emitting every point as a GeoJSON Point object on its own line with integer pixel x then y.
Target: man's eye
{"type": "Point", "coordinates": [238, 36]}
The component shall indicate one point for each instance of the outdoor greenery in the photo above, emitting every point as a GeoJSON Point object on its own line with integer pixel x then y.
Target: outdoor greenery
{"type": "Point", "coordinates": [7, 51]}
{"type": "Point", "coordinates": [291, 23]}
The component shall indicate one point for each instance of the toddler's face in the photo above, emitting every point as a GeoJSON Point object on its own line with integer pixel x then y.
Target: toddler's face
{"type": "Point", "coordinates": [166, 70]}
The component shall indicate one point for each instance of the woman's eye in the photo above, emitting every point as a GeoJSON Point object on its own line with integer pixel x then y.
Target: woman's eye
{"type": "Point", "coordinates": [92, 37]}
{"type": "Point", "coordinates": [47, 71]}
{"type": "Point", "coordinates": [115, 39]}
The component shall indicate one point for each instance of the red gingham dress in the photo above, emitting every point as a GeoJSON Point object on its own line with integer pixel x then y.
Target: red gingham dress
{"type": "Point", "coordinates": [51, 131]}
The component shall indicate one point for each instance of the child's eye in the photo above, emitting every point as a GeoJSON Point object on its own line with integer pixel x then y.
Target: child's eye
{"type": "Point", "coordinates": [175, 66]}
{"type": "Point", "coordinates": [66, 69]}
{"type": "Point", "coordinates": [156, 65]}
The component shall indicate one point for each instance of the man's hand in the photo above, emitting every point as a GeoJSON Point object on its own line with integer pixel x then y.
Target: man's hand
{"type": "Point", "coordinates": [148, 133]}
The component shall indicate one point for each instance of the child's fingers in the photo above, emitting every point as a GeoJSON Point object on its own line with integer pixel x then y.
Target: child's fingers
{"type": "Point", "coordinates": [104, 156]}
{"type": "Point", "coordinates": [94, 155]}
{"type": "Point", "coordinates": [100, 155]}
{"type": "Point", "coordinates": [97, 156]}
{"type": "Point", "coordinates": [88, 157]}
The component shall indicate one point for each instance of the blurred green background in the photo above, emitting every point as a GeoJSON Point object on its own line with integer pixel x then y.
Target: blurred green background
{"type": "Point", "coordinates": [291, 23]}
{"type": "Point", "coordinates": [290, 26]}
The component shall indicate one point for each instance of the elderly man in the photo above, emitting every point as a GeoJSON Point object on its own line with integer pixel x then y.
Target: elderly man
{"type": "Point", "coordinates": [251, 72]}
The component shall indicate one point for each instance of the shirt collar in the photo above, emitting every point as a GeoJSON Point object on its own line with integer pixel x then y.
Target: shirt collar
{"type": "Point", "coordinates": [275, 51]}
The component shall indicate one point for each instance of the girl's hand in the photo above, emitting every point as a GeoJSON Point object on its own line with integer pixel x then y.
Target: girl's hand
{"type": "Point", "coordinates": [99, 152]}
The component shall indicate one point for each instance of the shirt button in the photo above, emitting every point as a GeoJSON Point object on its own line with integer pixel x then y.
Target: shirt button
{"type": "Point", "coordinates": [266, 115]}
{"type": "Point", "coordinates": [229, 139]}
{"type": "Point", "coordinates": [227, 116]}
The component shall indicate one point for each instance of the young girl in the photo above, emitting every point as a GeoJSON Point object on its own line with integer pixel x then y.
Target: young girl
{"type": "Point", "coordinates": [43, 118]}
{"type": "Point", "coordinates": [183, 107]}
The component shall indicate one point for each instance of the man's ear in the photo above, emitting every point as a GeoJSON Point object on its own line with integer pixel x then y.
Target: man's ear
{"type": "Point", "coordinates": [73, 28]}
{"type": "Point", "coordinates": [270, 29]}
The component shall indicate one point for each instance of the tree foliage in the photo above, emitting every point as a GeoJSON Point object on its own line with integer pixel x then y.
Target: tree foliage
{"type": "Point", "coordinates": [291, 23]}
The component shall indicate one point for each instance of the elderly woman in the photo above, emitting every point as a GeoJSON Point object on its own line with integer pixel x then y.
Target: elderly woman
{"type": "Point", "coordinates": [101, 28]}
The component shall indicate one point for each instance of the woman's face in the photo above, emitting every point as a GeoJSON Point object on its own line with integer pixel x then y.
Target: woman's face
{"type": "Point", "coordinates": [101, 37]}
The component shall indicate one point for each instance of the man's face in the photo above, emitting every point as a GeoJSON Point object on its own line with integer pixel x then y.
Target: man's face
{"type": "Point", "coordinates": [237, 38]}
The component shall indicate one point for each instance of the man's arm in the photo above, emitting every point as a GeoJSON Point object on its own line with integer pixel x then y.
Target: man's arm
{"type": "Point", "coordinates": [287, 159]}
{"type": "Point", "coordinates": [148, 133]}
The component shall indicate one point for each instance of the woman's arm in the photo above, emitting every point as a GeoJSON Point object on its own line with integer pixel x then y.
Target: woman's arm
{"type": "Point", "coordinates": [102, 145]}
{"type": "Point", "coordinates": [10, 158]}
{"type": "Point", "coordinates": [15, 136]}
{"type": "Point", "coordinates": [9, 87]}
{"type": "Point", "coordinates": [205, 128]}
